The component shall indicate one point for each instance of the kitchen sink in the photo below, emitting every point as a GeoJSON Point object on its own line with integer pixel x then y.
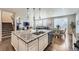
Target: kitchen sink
{"type": "Point", "coordinates": [38, 33]}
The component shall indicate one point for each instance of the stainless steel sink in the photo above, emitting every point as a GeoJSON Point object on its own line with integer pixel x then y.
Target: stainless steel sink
{"type": "Point", "coordinates": [38, 33]}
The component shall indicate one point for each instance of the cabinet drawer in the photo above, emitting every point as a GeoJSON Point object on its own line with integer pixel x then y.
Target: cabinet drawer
{"type": "Point", "coordinates": [43, 47]}
{"type": "Point", "coordinates": [22, 45]}
{"type": "Point", "coordinates": [14, 41]}
{"type": "Point", "coordinates": [33, 42]}
{"type": "Point", "coordinates": [43, 42]}
{"type": "Point", "coordinates": [33, 46]}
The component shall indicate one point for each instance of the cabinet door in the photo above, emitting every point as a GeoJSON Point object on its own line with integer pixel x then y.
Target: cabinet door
{"type": "Point", "coordinates": [14, 41]}
{"type": "Point", "coordinates": [33, 46]}
{"type": "Point", "coordinates": [43, 42]}
{"type": "Point", "coordinates": [46, 40]}
{"type": "Point", "coordinates": [22, 45]}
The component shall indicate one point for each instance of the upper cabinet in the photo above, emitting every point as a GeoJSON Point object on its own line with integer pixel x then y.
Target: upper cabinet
{"type": "Point", "coordinates": [7, 17]}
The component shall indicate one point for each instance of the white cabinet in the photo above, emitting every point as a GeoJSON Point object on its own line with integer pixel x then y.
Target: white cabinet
{"type": "Point", "coordinates": [33, 46]}
{"type": "Point", "coordinates": [38, 44]}
{"type": "Point", "coordinates": [43, 42]}
{"type": "Point", "coordinates": [22, 45]}
{"type": "Point", "coordinates": [14, 41]}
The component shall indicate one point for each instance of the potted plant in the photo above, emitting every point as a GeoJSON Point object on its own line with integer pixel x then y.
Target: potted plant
{"type": "Point", "coordinates": [58, 26]}
{"type": "Point", "coordinates": [72, 25]}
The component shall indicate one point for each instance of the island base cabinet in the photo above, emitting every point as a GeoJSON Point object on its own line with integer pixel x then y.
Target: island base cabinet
{"type": "Point", "coordinates": [38, 44]}
{"type": "Point", "coordinates": [43, 42]}
{"type": "Point", "coordinates": [22, 45]}
{"type": "Point", "coordinates": [14, 42]}
{"type": "Point", "coordinates": [33, 46]}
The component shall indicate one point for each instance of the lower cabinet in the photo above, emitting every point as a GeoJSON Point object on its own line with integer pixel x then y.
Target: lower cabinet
{"type": "Point", "coordinates": [43, 42]}
{"type": "Point", "coordinates": [33, 46]}
{"type": "Point", "coordinates": [14, 42]}
{"type": "Point", "coordinates": [22, 45]}
{"type": "Point", "coordinates": [38, 44]}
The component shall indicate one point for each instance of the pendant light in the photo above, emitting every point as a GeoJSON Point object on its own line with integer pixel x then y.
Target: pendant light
{"type": "Point", "coordinates": [34, 13]}
{"type": "Point", "coordinates": [27, 13]}
{"type": "Point", "coordinates": [34, 17]}
{"type": "Point", "coordinates": [39, 14]}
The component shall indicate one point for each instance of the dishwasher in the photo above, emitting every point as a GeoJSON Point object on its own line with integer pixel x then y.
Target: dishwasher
{"type": "Point", "coordinates": [50, 36]}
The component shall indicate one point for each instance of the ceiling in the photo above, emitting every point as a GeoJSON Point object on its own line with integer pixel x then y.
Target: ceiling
{"type": "Point", "coordinates": [51, 12]}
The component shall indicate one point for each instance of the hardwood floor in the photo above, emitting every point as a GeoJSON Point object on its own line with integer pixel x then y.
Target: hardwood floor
{"type": "Point", "coordinates": [60, 44]}
{"type": "Point", "coordinates": [57, 45]}
{"type": "Point", "coordinates": [5, 45]}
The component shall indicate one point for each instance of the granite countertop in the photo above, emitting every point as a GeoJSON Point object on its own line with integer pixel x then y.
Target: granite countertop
{"type": "Point", "coordinates": [27, 36]}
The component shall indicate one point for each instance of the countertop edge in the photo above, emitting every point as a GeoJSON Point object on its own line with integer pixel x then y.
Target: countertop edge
{"type": "Point", "coordinates": [29, 40]}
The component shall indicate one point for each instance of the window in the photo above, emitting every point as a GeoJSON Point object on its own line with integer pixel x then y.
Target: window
{"type": "Point", "coordinates": [62, 22]}
{"type": "Point", "coordinates": [38, 22]}
{"type": "Point", "coordinates": [45, 22]}
{"type": "Point", "coordinates": [42, 22]}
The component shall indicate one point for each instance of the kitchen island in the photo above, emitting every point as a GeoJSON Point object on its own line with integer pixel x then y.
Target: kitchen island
{"type": "Point", "coordinates": [29, 41]}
